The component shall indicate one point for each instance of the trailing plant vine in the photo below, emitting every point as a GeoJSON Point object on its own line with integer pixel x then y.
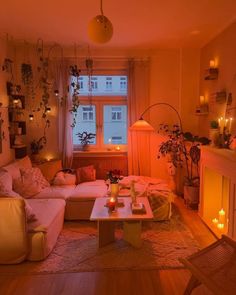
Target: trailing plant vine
{"type": "Point", "coordinates": [75, 73]}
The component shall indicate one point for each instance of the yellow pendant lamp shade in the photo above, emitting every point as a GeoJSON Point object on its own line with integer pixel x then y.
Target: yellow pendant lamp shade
{"type": "Point", "coordinates": [141, 125]}
{"type": "Point", "coordinates": [100, 29]}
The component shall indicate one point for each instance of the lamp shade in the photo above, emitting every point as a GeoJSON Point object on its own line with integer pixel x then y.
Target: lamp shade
{"type": "Point", "coordinates": [100, 29]}
{"type": "Point", "coordinates": [141, 125]}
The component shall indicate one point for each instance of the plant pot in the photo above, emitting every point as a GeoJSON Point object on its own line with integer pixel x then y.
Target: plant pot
{"type": "Point", "coordinates": [214, 136]}
{"type": "Point", "coordinates": [191, 196]}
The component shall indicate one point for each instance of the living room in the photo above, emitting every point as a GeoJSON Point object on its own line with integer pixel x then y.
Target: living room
{"type": "Point", "coordinates": [175, 65]}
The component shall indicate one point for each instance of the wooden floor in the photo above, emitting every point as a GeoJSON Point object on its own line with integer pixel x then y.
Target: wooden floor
{"type": "Point", "coordinates": [150, 282]}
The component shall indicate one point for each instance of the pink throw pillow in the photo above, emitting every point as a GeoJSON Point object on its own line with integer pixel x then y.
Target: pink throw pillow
{"type": "Point", "coordinates": [26, 186]}
{"type": "Point", "coordinates": [36, 175]}
{"type": "Point", "coordinates": [62, 178]}
{"type": "Point", "coordinates": [85, 174]}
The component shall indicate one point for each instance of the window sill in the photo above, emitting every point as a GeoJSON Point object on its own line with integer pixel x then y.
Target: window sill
{"type": "Point", "coordinates": [101, 153]}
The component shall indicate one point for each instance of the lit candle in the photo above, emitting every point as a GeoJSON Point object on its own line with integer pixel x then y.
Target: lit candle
{"type": "Point", "coordinates": [215, 221]}
{"type": "Point", "coordinates": [111, 204]}
{"type": "Point", "coordinates": [220, 226]}
{"type": "Point", "coordinates": [202, 100]}
{"type": "Point", "coordinates": [212, 63]}
{"type": "Point", "coordinates": [230, 124]}
{"type": "Point", "coordinates": [109, 144]}
{"type": "Point", "coordinates": [118, 148]}
{"type": "Point", "coordinates": [221, 216]}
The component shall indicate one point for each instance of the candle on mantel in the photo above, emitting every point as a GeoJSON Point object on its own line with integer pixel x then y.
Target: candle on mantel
{"type": "Point", "coordinates": [118, 148]}
{"type": "Point", "coordinates": [212, 63]}
{"type": "Point", "coordinates": [221, 122]}
{"type": "Point", "coordinates": [215, 221]}
{"type": "Point", "coordinates": [202, 100]}
{"type": "Point", "coordinates": [220, 226]}
{"type": "Point", "coordinates": [221, 216]}
{"type": "Point", "coordinates": [230, 124]}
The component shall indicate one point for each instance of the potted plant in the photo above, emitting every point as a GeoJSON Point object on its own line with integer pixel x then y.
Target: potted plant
{"type": "Point", "coordinates": [183, 150]}
{"type": "Point", "coordinates": [86, 138]}
{"type": "Point", "coordinates": [36, 146]}
{"type": "Point", "coordinates": [214, 133]}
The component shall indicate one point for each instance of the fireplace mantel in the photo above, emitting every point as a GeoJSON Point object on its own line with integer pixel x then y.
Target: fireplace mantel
{"type": "Point", "coordinates": [218, 188]}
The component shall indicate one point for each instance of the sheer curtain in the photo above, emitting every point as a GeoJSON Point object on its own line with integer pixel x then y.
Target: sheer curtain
{"type": "Point", "coordinates": [65, 140]}
{"type": "Point", "coordinates": [138, 100]}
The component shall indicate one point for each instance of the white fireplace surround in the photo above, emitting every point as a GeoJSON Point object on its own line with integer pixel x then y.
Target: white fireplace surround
{"type": "Point", "coordinates": [218, 188]}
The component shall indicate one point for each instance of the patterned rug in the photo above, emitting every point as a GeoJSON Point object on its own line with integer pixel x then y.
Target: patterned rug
{"type": "Point", "coordinates": [77, 251]}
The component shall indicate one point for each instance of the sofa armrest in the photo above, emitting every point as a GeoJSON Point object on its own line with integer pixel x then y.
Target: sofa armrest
{"type": "Point", "coordinates": [13, 235]}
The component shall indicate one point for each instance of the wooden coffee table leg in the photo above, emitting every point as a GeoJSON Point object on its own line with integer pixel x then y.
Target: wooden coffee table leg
{"type": "Point", "coordinates": [132, 233]}
{"type": "Point", "coordinates": [106, 233]}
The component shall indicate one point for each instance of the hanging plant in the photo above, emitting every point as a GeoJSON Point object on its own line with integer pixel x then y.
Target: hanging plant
{"type": "Point", "coordinates": [75, 73]}
{"type": "Point", "coordinates": [27, 79]}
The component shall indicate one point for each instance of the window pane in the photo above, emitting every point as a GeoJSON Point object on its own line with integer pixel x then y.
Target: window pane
{"type": "Point", "coordinates": [86, 121]}
{"type": "Point", "coordinates": [115, 124]}
{"type": "Point", "coordinates": [103, 85]}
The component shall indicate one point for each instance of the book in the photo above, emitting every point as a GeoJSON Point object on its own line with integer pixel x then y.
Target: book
{"type": "Point", "coordinates": [138, 208]}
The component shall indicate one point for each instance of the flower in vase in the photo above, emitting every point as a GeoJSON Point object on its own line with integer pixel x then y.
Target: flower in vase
{"type": "Point", "coordinates": [114, 176]}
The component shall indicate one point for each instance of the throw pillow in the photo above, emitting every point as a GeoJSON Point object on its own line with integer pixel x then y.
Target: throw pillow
{"type": "Point", "coordinates": [85, 174]}
{"type": "Point", "coordinates": [24, 163]}
{"type": "Point", "coordinates": [36, 175]}
{"type": "Point", "coordinates": [5, 181]}
{"type": "Point", "coordinates": [63, 178]}
{"type": "Point", "coordinates": [26, 186]}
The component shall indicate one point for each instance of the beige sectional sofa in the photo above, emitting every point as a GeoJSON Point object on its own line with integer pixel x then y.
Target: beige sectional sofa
{"type": "Point", "coordinates": [35, 239]}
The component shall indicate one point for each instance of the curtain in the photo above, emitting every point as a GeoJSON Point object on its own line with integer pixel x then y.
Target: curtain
{"type": "Point", "coordinates": [65, 139]}
{"type": "Point", "coordinates": [138, 100]}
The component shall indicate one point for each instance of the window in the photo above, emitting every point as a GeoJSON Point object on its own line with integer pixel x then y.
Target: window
{"type": "Point", "coordinates": [105, 114]}
{"type": "Point", "coordinates": [116, 113]}
{"type": "Point", "coordinates": [81, 83]}
{"type": "Point", "coordinates": [88, 113]}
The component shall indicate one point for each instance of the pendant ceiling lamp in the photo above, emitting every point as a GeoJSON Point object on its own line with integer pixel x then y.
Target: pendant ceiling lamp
{"type": "Point", "coordinates": [100, 29]}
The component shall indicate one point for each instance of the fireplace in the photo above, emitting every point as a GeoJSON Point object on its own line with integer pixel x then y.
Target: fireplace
{"type": "Point", "coordinates": [218, 190]}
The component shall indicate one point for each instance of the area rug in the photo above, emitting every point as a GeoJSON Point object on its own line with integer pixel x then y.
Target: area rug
{"type": "Point", "coordinates": [77, 249]}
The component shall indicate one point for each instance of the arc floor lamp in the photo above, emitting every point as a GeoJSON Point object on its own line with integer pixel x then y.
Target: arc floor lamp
{"type": "Point", "coordinates": [142, 125]}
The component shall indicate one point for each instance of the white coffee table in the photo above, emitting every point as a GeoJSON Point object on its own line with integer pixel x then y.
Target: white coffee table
{"type": "Point", "coordinates": [132, 223]}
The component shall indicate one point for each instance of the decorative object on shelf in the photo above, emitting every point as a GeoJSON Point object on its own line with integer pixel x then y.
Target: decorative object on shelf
{"type": "Point", "coordinates": [100, 29]}
{"type": "Point", "coordinates": [111, 204]}
{"type": "Point", "coordinates": [86, 139]}
{"type": "Point", "coordinates": [203, 105]}
{"type": "Point", "coordinates": [212, 72]}
{"type": "Point", "coordinates": [214, 133]}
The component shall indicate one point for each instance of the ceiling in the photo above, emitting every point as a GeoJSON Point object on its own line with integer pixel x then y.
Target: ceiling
{"type": "Point", "coordinates": [141, 24]}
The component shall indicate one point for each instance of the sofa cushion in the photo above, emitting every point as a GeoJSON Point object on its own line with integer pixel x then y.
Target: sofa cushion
{"type": "Point", "coordinates": [56, 192]}
{"type": "Point", "coordinates": [89, 190]}
{"type": "Point", "coordinates": [29, 211]}
{"type": "Point", "coordinates": [14, 168]}
{"type": "Point", "coordinates": [5, 181]}
{"type": "Point", "coordinates": [43, 233]}
{"type": "Point", "coordinates": [14, 242]}
{"type": "Point", "coordinates": [63, 178]}
{"type": "Point", "coordinates": [85, 174]}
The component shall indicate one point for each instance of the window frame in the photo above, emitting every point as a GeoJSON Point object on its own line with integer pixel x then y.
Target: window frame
{"type": "Point", "coordinates": [99, 102]}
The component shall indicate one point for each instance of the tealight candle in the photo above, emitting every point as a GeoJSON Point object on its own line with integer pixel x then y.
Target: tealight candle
{"type": "Point", "coordinates": [212, 63]}
{"type": "Point", "coordinates": [118, 148]}
{"type": "Point", "coordinates": [215, 220]}
{"type": "Point", "coordinates": [221, 216]}
{"type": "Point", "coordinates": [220, 226]}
